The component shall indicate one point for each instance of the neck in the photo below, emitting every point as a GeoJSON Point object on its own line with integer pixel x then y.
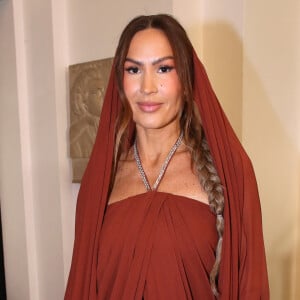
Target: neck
{"type": "Point", "coordinates": [163, 167]}
{"type": "Point", "coordinates": [154, 144]}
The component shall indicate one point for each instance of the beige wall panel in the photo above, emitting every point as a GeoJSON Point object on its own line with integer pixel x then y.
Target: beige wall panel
{"type": "Point", "coordinates": [271, 113]}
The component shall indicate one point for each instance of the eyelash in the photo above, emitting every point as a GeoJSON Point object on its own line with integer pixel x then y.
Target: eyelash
{"type": "Point", "coordinates": [132, 70]}
{"type": "Point", "coordinates": [161, 69]}
{"type": "Point", "coordinates": [165, 69]}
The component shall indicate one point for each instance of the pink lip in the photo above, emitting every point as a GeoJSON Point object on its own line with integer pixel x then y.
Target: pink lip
{"type": "Point", "coordinates": [149, 106]}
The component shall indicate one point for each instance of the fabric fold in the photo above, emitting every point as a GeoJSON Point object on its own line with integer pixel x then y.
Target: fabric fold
{"type": "Point", "coordinates": [157, 256]}
{"type": "Point", "coordinates": [243, 272]}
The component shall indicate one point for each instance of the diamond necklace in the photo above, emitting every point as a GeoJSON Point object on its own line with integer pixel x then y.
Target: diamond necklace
{"type": "Point", "coordinates": [163, 168]}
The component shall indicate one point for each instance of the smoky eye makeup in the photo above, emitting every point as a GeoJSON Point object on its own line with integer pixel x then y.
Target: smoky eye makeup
{"type": "Point", "coordinates": [165, 68]}
{"type": "Point", "coordinates": [163, 65]}
{"type": "Point", "coordinates": [131, 69]}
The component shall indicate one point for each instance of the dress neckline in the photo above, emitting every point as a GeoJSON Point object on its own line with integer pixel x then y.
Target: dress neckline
{"type": "Point", "coordinates": [141, 195]}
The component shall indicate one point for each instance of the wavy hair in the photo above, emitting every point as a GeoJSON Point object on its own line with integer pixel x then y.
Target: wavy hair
{"type": "Point", "coordinates": [190, 121]}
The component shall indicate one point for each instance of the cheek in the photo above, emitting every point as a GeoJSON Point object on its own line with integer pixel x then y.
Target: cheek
{"type": "Point", "coordinates": [173, 89]}
{"type": "Point", "coordinates": [172, 84]}
{"type": "Point", "coordinates": [128, 92]}
{"type": "Point", "coordinates": [130, 86]}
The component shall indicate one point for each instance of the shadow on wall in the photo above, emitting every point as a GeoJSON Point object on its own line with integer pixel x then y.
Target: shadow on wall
{"type": "Point", "coordinates": [275, 155]}
{"type": "Point", "coordinates": [2, 275]}
{"type": "Point", "coordinates": [243, 95]}
{"type": "Point", "coordinates": [297, 254]}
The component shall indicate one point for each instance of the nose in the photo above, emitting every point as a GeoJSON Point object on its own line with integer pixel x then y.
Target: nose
{"type": "Point", "coordinates": [148, 84]}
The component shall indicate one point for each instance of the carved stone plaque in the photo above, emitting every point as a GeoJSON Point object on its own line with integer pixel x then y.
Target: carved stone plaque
{"type": "Point", "coordinates": [88, 83]}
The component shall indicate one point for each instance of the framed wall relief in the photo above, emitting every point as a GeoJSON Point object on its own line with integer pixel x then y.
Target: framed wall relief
{"type": "Point", "coordinates": [88, 83]}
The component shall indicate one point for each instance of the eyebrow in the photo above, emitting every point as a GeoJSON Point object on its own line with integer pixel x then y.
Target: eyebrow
{"type": "Point", "coordinates": [155, 62]}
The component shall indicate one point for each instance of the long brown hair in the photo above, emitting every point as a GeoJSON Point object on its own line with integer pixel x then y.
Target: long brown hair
{"type": "Point", "coordinates": [190, 122]}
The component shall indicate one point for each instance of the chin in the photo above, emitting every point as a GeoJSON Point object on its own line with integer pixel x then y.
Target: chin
{"type": "Point", "coordinates": [150, 126]}
{"type": "Point", "coordinates": [156, 120]}
{"type": "Point", "coordinates": [153, 124]}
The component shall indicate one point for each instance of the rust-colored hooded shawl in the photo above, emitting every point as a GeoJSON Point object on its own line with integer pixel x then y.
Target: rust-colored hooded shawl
{"type": "Point", "coordinates": [243, 272]}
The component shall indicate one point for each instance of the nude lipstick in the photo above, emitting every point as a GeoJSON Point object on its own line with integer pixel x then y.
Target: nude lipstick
{"type": "Point", "coordinates": [149, 107]}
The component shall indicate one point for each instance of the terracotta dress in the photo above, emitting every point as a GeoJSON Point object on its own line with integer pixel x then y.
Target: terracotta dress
{"type": "Point", "coordinates": [156, 246]}
{"type": "Point", "coordinates": [166, 240]}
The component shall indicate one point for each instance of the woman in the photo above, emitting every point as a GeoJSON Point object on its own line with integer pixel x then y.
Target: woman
{"type": "Point", "coordinates": [168, 207]}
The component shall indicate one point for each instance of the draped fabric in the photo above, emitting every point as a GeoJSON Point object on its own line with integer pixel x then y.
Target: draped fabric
{"type": "Point", "coordinates": [243, 272]}
{"type": "Point", "coordinates": [156, 246]}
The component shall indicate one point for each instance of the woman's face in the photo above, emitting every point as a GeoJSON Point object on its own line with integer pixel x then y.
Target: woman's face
{"type": "Point", "coordinates": [151, 83]}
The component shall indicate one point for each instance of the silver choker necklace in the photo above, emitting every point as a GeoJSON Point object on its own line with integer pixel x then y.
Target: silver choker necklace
{"type": "Point", "coordinates": [163, 168]}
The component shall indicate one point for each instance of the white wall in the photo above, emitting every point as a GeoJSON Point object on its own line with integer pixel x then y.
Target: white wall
{"type": "Point", "coordinates": [11, 179]}
{"type": "Point", "coordinates": [94, 27]}
{"type": "Point", "coordinates": [30, 168]}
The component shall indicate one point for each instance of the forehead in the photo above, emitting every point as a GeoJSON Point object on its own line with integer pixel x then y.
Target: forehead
{"type": "Point", "coordinates": [150, 42]}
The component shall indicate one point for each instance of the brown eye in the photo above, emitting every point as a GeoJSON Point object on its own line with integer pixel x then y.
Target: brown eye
{"type": "Point", "coordinates": [165, 69]}
{"type": "Point", "coordinates": [132, 70]}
